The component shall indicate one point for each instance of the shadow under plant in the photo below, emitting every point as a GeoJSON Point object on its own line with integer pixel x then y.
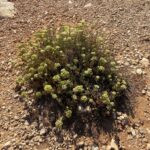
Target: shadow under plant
{"type": "Point", "coordinates": [70, 81]}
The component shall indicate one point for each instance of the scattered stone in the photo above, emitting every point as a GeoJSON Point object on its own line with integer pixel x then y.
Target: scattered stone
{"type": "Point", "coordinates": [133, 132]}
{"type": "Point", "coordinates": [7, 9]}
{"type": "Point", "coordinates": [3, 107]}
{"type": "Point", "coordinates": [26, 123]}
{"type": "Point", "coordinates": [7, 145]}
{"type": "Point", "coordinates": [144, 62]}
{"type": "Point", "coordinates": [16, 96]}
{"type": "Point", "coordinates": [16, 118]}
{"type": "Point", "coordinates": [80, 143]}
{"type": "Point", "coordinates": [122, 119]}
{"type": "Point", "coordinates": [70, 2]}
{"type": "Point", "coordinates": [37, 139]}
{"type": "Point", "coordinates": [139, 71]}
{"type": "Point", "coordinates": [145, 140]}
{"type": "Point", "coordinates": [103, 147]}
{"type": "Point", "coordinates": [112, 146]}
{"type": "Point", "coordinates": [88, 5]}
{"type": "Point", "coordinates": [143, 92]}
{"type": "Point", "coordinates": [95, 147]}
{"type": "Point", "coordinates": [126, 63]}
{"type": "Point", "coordinates": [148, 93]}
{"type": "Point", "coordinates": [75, 136]}
{"type": "Point", "coordinates": [148, 146]}
{"type": "Point", "coordinates": [43, 131]}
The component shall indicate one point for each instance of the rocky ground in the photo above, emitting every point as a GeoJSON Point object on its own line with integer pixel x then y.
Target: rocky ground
{"type": "Point", "coordinates": [126, 25]}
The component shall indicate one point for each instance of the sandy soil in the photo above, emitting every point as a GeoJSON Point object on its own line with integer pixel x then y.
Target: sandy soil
{"type": "Point", "coordinates": [126, 24]}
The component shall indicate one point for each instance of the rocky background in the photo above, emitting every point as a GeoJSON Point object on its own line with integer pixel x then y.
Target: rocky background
{"type": "Point", "coordinates": [126, 25]}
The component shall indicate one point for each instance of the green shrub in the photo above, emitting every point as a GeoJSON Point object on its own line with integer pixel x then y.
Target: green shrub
{"type": "Point", "coordinates": [73, 68]}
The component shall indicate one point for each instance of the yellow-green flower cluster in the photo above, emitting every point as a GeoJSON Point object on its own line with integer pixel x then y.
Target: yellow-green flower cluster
{"type": "Point", "coordinates": [70, 68]}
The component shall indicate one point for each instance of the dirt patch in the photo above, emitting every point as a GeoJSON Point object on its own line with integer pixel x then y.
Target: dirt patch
{"type": "Point", "coordinates": [126, 25]}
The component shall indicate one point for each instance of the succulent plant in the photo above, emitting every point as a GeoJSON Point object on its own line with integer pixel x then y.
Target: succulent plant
{"type": "Point", "coordinates": [78, 89]}
{"type": "Point", "coordinates": [84, 98]}
{"type": "Point", "coordinates": [88, 72]}
{"type": "Point", "coordinates": [48, 88]}
{"type": "Point", "coordinates": [68, 112]}
{"type": "Point", "coordinates": [56, 78]}
{"type": "Point", "coordinates": [59, 123]}
{"type": "Point", "coordinates": [72, 68]}
{"type": "Point", "coordinates": [38, 94]}
{"type": "Point", "coordinates": [64, 73]}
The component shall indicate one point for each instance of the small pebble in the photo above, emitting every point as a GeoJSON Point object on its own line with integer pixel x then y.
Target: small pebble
{"type": "Point", "coordinates": [139, 71]}
{"type": "Point", "coordinates": [88, 5]}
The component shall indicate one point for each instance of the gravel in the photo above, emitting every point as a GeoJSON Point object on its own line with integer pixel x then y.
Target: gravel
{"type": "Point", "coordinates": [126, 25]}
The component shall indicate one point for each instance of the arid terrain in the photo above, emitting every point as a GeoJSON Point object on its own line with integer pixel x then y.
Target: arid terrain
{"type": "Point", "coordinates": [126, 25]}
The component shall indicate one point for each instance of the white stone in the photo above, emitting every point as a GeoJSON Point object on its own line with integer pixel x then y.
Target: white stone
{"type": "Point", "coordinates": [148, 93]}
{"type": "Point", "coordinates": [148, 146]}
{"type": "Point", "coordinates": [6, 145]}
{"type": "Point", "coordinates": [143, 92]}
{"type": "Point", "coordinates": [7, 9]}
{"type": "Point", "coordinates": [133, 132]}
{"type": "Point", "coordinates": [43, 131]}
{"type": "Point", "coordinates": [112, 145]}
{"type": "Point", "coordinates": [70, 2]}
{"type": "Point", "coordinates": [80, 143]}
{"type": "Point", "coordinates": [88, 5]}
{"type": "Point", "coordinates": [139, 71]}
{"type": "Point", "coordinates": [95, 148]}
{"type": "Point", "coordinates": [144, 62]}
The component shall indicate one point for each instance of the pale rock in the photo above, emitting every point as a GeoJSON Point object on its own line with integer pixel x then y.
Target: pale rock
{"type": "Point", "coordinates": [75, 136]}
{"type": "Point", "coordinates": [7, 145]}
{"type": "Point", "coordinates": [7, 9]}
{"type": "Point", "coordinates": [144, 62]}
{"type": "Point", "coordinates": [26, 123]}
{"type": "Point", "coordinates": [133, 132]}
{"type": "Point", "coordinates": [143, 92]}
{"type": "Point", "coordinates": [112, 145]}
{"type": "Point", "coordinates": [139, 71]}
{"type": "Point", "coordinates": [70, 2]}
{"type": "Point", "coordinates": [16, 117]}
{"type": "Point", "coordinates": [95, 148]}
{"type": "Point", "coordinates": [16, 96]}
{"type": "Point", "coordinates": [148, 146]}
{"type": "Point", "coordinates": [148, 93]}
{"type": "Point", "coordinates": [43, 131]}
{"type": "Point", "coordinates": [88, 5]}
{"type": "Point", "coordinates": [81, 143]}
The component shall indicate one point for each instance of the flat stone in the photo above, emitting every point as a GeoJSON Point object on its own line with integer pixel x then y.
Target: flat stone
{"type": "Point", "coordinates": [70, 2]}
{"type": "Point", "coordinates": [75, 136]}
{"type": "Point", "coordinates": [16, 117]}
{"type": "Point", "coordinates": [148, 93]}
{"type": "Point", "coordinates": [144, 62]}
{"type": "Point", "coordinates": [43, 131]}
{"type": "Point", "coordinates": [112, 145]}
{"type": "Point", "coordinates": [145, 140]}
{"type": "Point", "coordinates": [7, 9]}
{"type": "Point", "coordinates": [148, 146]}
{"type": "Point", "coordinates": [95, 148]}
{"type": "Point", "coordinates": [133, 132]}
{"type": "Point", "coordinates": [81, 143]}
{"type": "Point", "coordinates": [139, 71]}
{"type": "Point", "coordinates": [88, 5]}
{"type": "Point", "coordinates": [7, 145]}
{"type": "Point", "coordinates": [143, 92]}
{"type": "Point", "coordinates": [16, 96]}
